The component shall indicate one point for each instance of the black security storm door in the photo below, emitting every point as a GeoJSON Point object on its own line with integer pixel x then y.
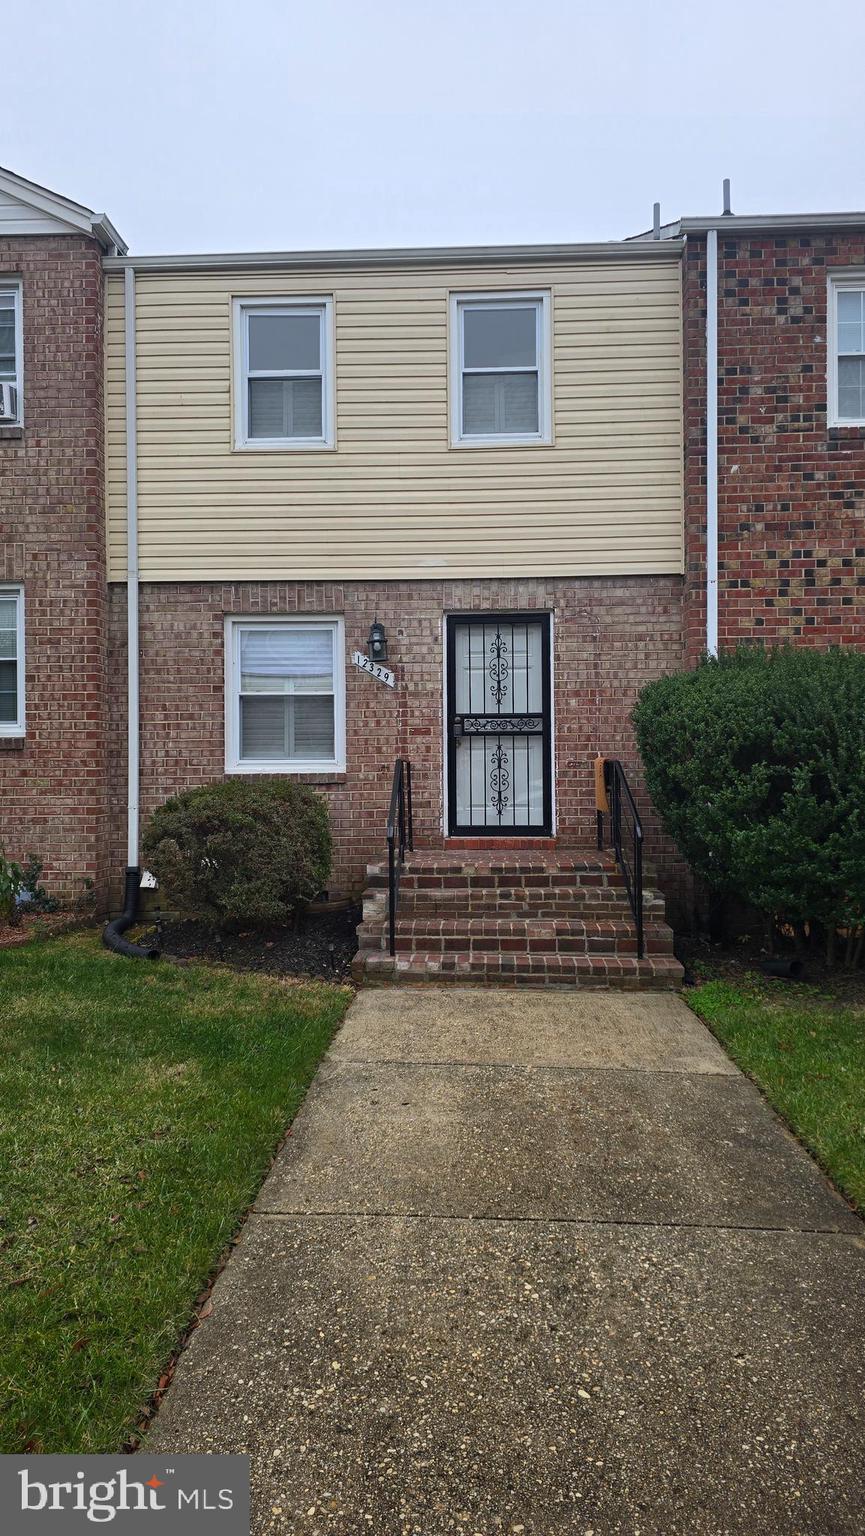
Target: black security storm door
{"type": "Point", "coordinates": [499, 726]}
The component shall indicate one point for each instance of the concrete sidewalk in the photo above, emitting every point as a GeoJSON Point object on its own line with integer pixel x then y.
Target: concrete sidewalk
{"type": "Point", "coordinates": [542, 1263]}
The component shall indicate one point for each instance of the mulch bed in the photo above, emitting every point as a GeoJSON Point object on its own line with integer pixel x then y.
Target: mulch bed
{"type": "Point", "coordinates": [734, 960]}
{"type": "Point", "coordinates": [39, 925]}
{"type": "Point", "coordinates": [319, 945]}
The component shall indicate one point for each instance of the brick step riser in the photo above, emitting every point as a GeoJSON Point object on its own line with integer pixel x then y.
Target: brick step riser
{"type": "Point", "coordinates": [494, 872]}
{"type": "Point", "coordinates": [539, 971]}
{"type": "Point", "coordinates": [484, 936]}
{"type": "Point", "coordinates": [541, 904]}
{"type": "Point", "coordinates": [515, 944]}
{"type": "Point", "coordinates": [490, 884]}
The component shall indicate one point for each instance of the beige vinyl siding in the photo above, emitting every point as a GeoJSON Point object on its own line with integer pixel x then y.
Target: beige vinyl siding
{"type": "Point", "coordinates": [393, 499]}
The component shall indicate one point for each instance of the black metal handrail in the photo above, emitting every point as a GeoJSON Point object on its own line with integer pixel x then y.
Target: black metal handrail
{"type": "Point", "coordinates": [400, 835]}
{"type": "Point", "coordinates": [627, 840]}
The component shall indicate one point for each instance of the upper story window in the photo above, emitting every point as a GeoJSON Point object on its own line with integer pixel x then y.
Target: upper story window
{"type": "Point", "coordinates": [285, 695]}
{"type": "Point", "coordinates": [11, 661]}
{"type": "Point", "coordinates": [501, 386]}
{"type": "Point", "coordinates": [283, 373]}
{"type": "Point", "coordinates": [10, 350]}
{"type": "Point", "coordinates": [847, 350]}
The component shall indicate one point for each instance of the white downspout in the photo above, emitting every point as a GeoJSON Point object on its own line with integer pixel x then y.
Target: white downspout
{"type": "Point", "coordinates": [712, 442]}
{"type": "Point", "coordinates": [133, 769]}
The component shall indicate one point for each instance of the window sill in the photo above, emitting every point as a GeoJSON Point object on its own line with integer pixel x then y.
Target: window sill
{"type": "Point", "coordinates": [286, 445]}
{"type": "Point", "coordinates": [502, 442]}
{"type": "Point", "coordinates": [335, 775]}
{"type": "Point", "coordinates": [10, 434]}
{"type": "Point", "coordinates": [12, 743]}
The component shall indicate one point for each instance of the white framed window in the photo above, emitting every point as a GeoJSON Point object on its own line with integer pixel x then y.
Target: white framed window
{"type": "Point", "coordinates": [283, 351]}
{"type": "Point", "coordinates": [846, 338]}
{"type": "Point", "coordinates": [11, 661]}
{"type": "Point", "coordinates": [501, 368]}
{"type": "Point", "coordinates": [11, 346]}
{"type": "Point", "coordinates": [284, 695]}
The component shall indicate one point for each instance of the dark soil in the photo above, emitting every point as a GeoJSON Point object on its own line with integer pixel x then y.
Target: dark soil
{"type": "Point", "coordinates": [40, 925]}
{"type": "Point", "coordinates": [736, 958]}
{"type": "Point", "coordinates": [316, 945]}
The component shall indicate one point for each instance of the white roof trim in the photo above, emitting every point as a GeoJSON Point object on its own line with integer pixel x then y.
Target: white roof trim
{"type": "Point", "coordinates": [423, 256]}
{"type": "Point", "coordinates": [54, 206]}
{"type": "Point", "coordinates": [743, 223]}
{"type": "Point", "coordinates": [792, 223]}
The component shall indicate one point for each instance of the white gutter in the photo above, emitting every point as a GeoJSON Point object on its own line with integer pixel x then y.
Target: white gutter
{"type": "Point", "coordinates": [712, 442]}
{"type": "Point", "coordinates": [777, 223]}
{"type": "Point", "coordinates": [133, 769]}
{"type": "Point", "coordinates": [432, 256]}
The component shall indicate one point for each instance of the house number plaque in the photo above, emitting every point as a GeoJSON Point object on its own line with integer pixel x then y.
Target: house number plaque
{"type": "Point", "coordinates": [381, 674]}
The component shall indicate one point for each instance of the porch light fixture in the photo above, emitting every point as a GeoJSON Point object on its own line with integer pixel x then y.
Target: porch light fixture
{"type": "Point", "coordinates": [377, 642]}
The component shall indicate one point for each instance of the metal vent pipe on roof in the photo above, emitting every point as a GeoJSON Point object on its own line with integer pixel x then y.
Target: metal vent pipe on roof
{"type": "Point", "coordinates": [727, 209]}
{"type": "Point", "coordinates": [656, 221]}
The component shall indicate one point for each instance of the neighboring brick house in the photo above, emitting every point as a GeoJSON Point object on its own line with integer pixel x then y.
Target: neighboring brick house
{"type": "Point", "coordinates": [53, 705]}
{"type": "Point", "coordinates": [790, 429]}
{"type": "Point", "coordinates": [511, 460]}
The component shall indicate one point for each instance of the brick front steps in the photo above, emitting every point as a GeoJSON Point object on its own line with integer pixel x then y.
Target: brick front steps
{"type": "Point", "coordinates": [513, 918]}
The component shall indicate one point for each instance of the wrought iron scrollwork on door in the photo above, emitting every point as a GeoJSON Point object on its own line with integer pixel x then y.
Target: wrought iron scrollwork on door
{"type": "Point", "coordinates": [479, 725]}
{"type": "Point", "coordinates": [500, 780]}
{"type": "Point", "coordinates": [499, 668]}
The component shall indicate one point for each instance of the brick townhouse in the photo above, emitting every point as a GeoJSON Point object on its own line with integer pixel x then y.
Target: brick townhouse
{"type": "Point", "coordinates": [53, 581]}
{"type": "Point", "coordinates": [522, 480]}
{"type": "Point", "coordinates": [790, 412]}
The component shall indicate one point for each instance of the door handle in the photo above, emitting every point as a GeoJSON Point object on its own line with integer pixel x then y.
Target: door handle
{"type": "Point", "coordinates": [457, 728]}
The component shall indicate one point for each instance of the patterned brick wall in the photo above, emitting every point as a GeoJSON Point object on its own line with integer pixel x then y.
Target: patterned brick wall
{"type": "Point", "coordinates": [610, 636]}
{"type": "Point", "coordinates": [53, 784]}
{"type": "Point", "coordinates": [791, 489]}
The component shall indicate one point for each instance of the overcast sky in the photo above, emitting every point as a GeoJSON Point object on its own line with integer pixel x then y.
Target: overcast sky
{"type": "Point", "coordinates": [269, 124]}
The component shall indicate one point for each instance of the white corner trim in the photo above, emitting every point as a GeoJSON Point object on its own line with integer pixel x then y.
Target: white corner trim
{"type": "Point", "coordinates": [133, 705]}
{"type": "Point", "coordinates": [712, 442]}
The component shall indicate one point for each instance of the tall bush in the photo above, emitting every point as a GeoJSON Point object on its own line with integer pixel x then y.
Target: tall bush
{"type": "Point", "coordinates": [244, 852]}
{"type": "Point", "coordinates": [756, 765]}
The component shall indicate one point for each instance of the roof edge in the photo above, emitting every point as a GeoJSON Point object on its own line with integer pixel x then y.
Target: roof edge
{"type": "Point", "coordinates": [63, 209]}
{"type": "Point", "coordinates": [112, 243]}
{"type": "Point", "coordinates": [782, 222]}
{"type": "Point", "coordinates": [420, 256]}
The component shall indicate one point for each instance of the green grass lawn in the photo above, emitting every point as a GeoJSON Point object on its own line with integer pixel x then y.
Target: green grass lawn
{"type": "Point", "coordinates": [808, 1055]}
{"type": "Point", "coordinates": [140, 1104]}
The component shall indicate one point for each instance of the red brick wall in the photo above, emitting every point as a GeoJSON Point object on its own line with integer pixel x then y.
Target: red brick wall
{"type": "Point", "coordinates": [53, 785]}
{"type": "Point", "coordinates": [791, 489]}
{"type": "Point", "coordinates": [610, 636]}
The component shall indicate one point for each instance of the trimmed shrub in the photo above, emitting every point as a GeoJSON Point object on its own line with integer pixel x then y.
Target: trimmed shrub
{"type": "Point", "coordinates": [244, 852]}
{"type": "Point", "coordinates": [11, 879]}
{"type": "Point", "coordinates": [755, 763]}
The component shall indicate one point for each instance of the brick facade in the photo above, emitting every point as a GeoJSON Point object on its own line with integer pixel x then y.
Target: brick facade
{"type": "Point", "coordinates": [53, 783]}
{"type": "Point", "coordinates": [792, 566]}
{"type": "Point", "coordinates": [610, 636]}
{"type": "Point", "coordinates": [791, 513]}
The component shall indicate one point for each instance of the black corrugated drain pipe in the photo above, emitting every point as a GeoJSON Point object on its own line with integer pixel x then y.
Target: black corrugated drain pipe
{"type": "Point", "coordinates": [112, 933]}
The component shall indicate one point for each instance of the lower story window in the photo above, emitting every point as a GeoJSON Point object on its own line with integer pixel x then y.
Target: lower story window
{"type": "Point", "coordinates": [11, 661]}
{"type": "Point", "coordinates": [285, 695]}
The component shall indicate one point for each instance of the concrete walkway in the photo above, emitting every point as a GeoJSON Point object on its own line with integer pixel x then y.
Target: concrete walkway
{"type": "Point", "coordinates": [536, 1263]}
